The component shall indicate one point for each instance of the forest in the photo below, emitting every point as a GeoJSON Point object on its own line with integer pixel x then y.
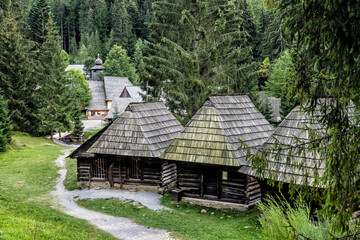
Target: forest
{"type": "Point", "coordinates": [300, 51]}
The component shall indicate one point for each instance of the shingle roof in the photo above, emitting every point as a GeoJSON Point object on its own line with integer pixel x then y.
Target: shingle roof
{"type": "Point", "coordinates": [114, 86]}
{"type": "Point", "coordinates": [143, 130]}
{"type": "Point", "coordinates": [212, 135]}
{"type": "Point", "coordinates": [98, 95]}
{"type": "Point", "coordinates": [299, 166]}
{"type": "Point", "coordinates": [81, 150]}
{"type": "Point", "coordinates": [118, 106]}
{"type": "Point", "coordinates": [135, 92]}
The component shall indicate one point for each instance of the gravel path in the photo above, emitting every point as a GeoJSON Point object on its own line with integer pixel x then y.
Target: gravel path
{"type": "Point", "coordinates": [121, 228]}
{"type": "Point", "coordinates": [92, 124]}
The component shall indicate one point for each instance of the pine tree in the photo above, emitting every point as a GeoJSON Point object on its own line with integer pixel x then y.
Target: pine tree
{"type": "Point", "coordinates": [121, 27]}
{"type": "Point", "coordinates": [96, 46]}
{"type": "Point", "coordinates": [56, 101]}
{"type": "Point", "coordinates": [4, 5]}
{"type": "Point", "coordinates": [264, 72]}
{"type": "Point", "coordinates": [197, 49]}
{"type": "Point", "coordinates": [326, 60]}
{"type": "Point", "coordinates": [100, 19]}
{"type": "Point", "coordinates": [139, 61]}
{"type": "Point", "coordinates": [278, 83]}
{"type": "Point", "coordinates": [275, 41]}
{"type": "Point", "coordinates": [78, 125]}
{"type": "Point", "coordinates": [38, 17]}
{"type": "Point", "coordinates": [118, 64]}
{"type": "Point", "coordinates": [16, 76]}
{"type": "Point", "coordinates": [5, 125]}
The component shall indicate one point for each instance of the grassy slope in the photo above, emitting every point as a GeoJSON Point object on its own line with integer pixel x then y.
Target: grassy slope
{"type": "Point", "coordinates": [28, 175]}
{"type": "Point", "coordinates": [184, 220]}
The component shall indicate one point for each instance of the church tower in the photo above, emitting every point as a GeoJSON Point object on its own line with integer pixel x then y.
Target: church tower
{"type": "Point", "coordinates": [97, 69]}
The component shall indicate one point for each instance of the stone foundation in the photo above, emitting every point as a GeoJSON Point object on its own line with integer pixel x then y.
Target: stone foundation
{"type": "Point", "coordinates": [86, 185]}
{"type": "Point", "coordinates": [140, 187]}
{"type": "Point", "coordinates": [106, 185]}
{"type": "Point", "coordinates": [216, 204]}
{"type": "Point", "coordinates": [167, 188]}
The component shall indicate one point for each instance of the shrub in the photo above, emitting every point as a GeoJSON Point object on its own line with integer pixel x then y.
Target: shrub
{"type": "Point", "coordinates": [281, 220]}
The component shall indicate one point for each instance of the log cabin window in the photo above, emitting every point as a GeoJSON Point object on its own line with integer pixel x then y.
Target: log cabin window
{"type": "Point", "coordinates": [224, 175]}
{"type": "Point", "coordinates": [135, 169]}
{"type": "Point", "coordinates": [99, 168]}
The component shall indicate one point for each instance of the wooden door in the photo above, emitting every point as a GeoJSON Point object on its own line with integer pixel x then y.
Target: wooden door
{"type": "Point", "coordinates": [135, 169]}
{"type": "Point", "coordinates": [210, 183]}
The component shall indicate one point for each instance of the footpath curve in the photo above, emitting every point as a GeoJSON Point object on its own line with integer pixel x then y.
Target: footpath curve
{"type": "Point", "coordinates": [121, 228]}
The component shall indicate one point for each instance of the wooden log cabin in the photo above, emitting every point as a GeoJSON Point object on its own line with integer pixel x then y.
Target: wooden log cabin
{"type": "Point", "coordinates": [126, 153]}
{"type": "Point", "coordinates": [289, 161]}
{"type": "Point", "coordinates": [207, 155]}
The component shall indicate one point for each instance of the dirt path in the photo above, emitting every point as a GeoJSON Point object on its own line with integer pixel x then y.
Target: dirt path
{"type": "Point", "coordinates": [121, 228]}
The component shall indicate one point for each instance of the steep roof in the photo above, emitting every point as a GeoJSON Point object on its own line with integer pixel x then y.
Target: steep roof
{"type": "Point", "coordinates": [114, 86]}
{"type": "Point", "coordinates": [144, 129]}
{"type": "Point", "coordinates": [212, 135]}
{"type": "Point", "coordinates": [98, 95]}
{"type": "Point", "coordinates": [118, 106]}
{"type": "Point", "coordinates": [81, 150]}
{"type": "Point", "coordinates": [299, 165]}
{"type": "Point", "coordinates": [134, 92]}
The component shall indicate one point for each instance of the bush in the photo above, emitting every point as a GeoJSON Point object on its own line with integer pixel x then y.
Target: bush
{"type": "Point", "coordinates": [281, 220]}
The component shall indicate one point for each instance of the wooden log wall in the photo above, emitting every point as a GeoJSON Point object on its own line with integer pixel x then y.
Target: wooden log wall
{"type": "Point", "coordinates": [151, 171]}
{"type": "Point", "coordinates": [116, 171]}
{"type": "Point", "coordinates": [168, 173]}
{"type": "Point", "coordinates": [253, 190]}
{"type": "Point", "coordinates": [83, 169]}
{"type": "Point", "coordinates": [190, 180]}
{"type": "Point", "coordinates": [234, 188]}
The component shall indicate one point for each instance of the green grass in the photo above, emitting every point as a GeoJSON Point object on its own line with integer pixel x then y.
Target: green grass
{"type": "Point", "coordinates": [90, 133]}
{"type": "Point", "coordinates": [70, 180]}
{"type": "Point", "coordinates": [184, 220]}
{"type": "Point", "coordinates": [28, 175]}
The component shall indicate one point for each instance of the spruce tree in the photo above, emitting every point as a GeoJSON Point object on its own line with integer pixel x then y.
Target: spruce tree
{"type": "Point", "coordinates": [78, 125]}
{"type": "Point", "coordinates": [5, 125]}
{"type": "Point", "coordinates": [121, 27]}
{"type": "Point", "coordinates": [57, 102]}
{"type": "Point", "coordinates": [139, 60]}
{"type": "Point", "coordinates": [278, 84]}
{"type": "Point", "coordinates": [17, 81]}
{"type": "Point", "coordinates": [37, 19]}
{"type": "Point", "coordinates": [198, 48]}
{"type": "Point", "coordinates": [100, 19]}
{"type": "Point", "coordinates": [275, 40]}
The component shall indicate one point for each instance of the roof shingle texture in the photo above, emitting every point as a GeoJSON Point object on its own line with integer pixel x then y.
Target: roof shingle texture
{"type": "Point", "coordinates": [114, 86]}
{"type": "Point", "coordinates": [98, 95]}
{"type": "Point", "coordinates": [288, 158]}
{"type": "Point", "coordinates": [212, 135]}
{"type": "Point", "coordinates": [143, 130]}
